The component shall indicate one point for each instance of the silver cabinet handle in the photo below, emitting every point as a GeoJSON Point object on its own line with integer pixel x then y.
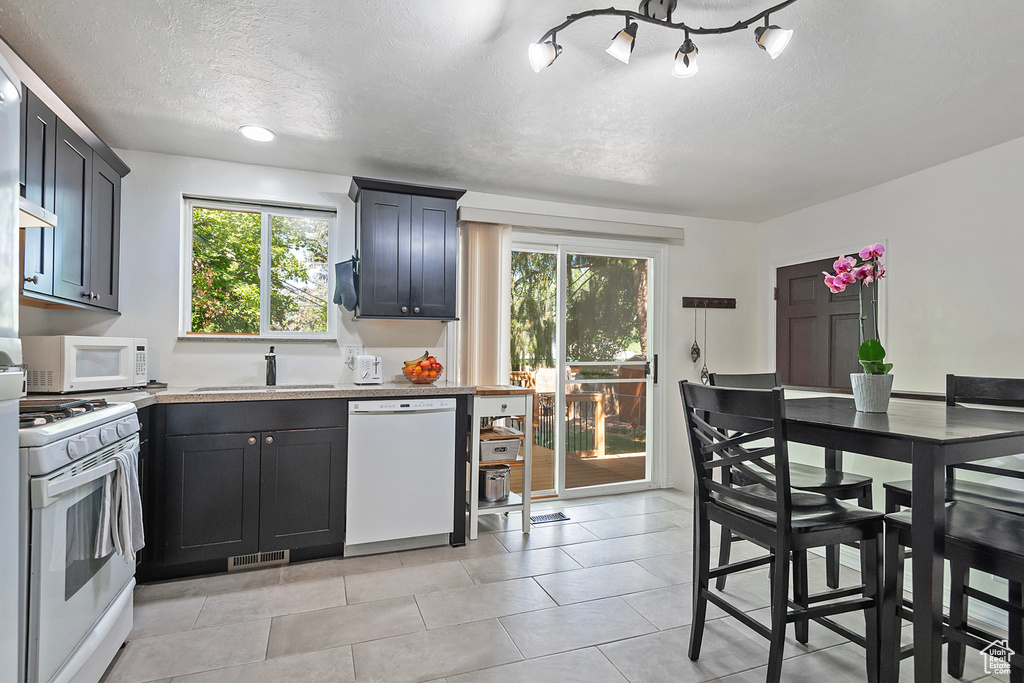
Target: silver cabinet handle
{"type": "Point", "coordinates": [270, 439]}
{"type": "Point", "coordinates": [405, 309]}
{"type": "Point", "coordinates": [87, 295]}
{"type": "Point", "coordinates": [504, 406]}
{"type": "Point", "coordinates": [252, 440]}
{"type": "Point", "coordinates": [416, 309]}
{"type": "Point", "coordinates": [34, 279]}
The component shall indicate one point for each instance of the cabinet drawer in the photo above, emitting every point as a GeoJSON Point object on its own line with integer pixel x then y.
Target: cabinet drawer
{"type": "Point", "coordinates": [498, 406]}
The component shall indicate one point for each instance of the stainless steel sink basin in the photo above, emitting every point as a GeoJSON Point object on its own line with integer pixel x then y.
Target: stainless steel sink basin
{"type": "Point", "coordinates": [264, 387]}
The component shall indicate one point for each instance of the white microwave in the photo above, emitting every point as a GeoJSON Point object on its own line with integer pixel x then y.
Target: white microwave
{"type": "Point", "coordinates": [59, 364]}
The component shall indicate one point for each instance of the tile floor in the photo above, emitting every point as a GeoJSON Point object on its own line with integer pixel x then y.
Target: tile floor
{"type": "Point", "coordinates": [602, 597]}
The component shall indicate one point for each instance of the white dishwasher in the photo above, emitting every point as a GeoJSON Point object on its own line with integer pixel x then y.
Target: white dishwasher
{"type": "Point", "coordinates": [401, 473]}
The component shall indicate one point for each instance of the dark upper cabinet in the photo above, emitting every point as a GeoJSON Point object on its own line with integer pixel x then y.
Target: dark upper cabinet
{"type": "Point", "coordinates": [104, 234]}
{"type": "Point", "coordinates": [38, 161]}
{"type": "Point", "coordinates": [78, 261]}
{"type": "Point", "coordinates": [212, 497]}
{"type": "Point", "coordinates": [39, 133]}
{"type": "Point", "coordinates": [407, 243]}
{"type": "Point", "coordinates": [73, 177]}
{"type": "Point", "coordinates": [302, 489]}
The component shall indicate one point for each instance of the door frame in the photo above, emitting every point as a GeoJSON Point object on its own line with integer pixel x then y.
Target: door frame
{"type": "Point", "coordinates": [524, 239]}
{"type": "Point", "coordinates": [773, 277]}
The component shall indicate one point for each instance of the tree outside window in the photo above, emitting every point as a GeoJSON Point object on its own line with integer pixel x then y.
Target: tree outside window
{"type": "Point", "coordinates": [258, 271]}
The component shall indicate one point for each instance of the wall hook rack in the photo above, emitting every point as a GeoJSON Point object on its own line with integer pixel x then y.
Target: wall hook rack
{"type": "Point", "coordinates": [708, 302]}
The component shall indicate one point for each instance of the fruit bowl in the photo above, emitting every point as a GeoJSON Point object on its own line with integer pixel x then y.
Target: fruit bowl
{"type": "Point", "coordinates": [422, 370]}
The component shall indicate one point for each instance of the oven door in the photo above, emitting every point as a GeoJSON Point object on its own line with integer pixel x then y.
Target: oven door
{"type": "Point", "coordinates": [92, 363]}
{"type": "Point", "coordinates": [70, 588]}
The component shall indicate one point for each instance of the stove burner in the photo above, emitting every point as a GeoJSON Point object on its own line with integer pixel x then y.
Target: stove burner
{"type": "Point", "coordinates": [38, 412]}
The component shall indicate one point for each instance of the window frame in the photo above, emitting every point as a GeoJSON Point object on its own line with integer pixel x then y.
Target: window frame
{"type": "Point", "coordinates": [266, 210]}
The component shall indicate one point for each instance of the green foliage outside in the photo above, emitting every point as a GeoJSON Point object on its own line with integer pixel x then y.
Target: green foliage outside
{"type": "Point", "coordinates": [226, 249]}
{"type": "Point", "coordinates": [606, 309]}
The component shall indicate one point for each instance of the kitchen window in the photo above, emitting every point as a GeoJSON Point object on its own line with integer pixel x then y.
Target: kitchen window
{"type": "Point", "coordinates": [255, 270]}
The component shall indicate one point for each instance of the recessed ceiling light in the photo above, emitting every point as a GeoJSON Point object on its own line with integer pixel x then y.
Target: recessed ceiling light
{"type": "Point", "coordinates": [257, 133]}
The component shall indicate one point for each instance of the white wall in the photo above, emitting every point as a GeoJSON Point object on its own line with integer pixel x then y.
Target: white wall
{"type": "Point", "coordinates": [954, 248]}
{"type": "Point", "coordinates": [717, 260]}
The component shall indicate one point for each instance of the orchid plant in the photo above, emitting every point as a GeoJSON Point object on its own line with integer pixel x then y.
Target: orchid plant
{"type": "Point", "coordinates": [868, 271]}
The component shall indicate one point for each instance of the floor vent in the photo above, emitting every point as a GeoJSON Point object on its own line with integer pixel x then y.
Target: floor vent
{"type": "Point", "coordinates": [258, 560]}
{"type": "Point", "coordinates": [553, 517]}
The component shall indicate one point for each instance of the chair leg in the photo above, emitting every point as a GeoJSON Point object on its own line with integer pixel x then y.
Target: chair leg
{"type": "Point", "coordinates": [779, 610]}
{"type": "Point", "coordinates": [871, 576]}
{"type": "Point", "coordinates": [832, 566]}
{"type": "Point", "coordinates": [1016, 633]}
{"type": "Point", "coordinates": [892, 597]}
{"type": "Point", "coordinates": [723, 555]}
{"type": "Point", "coordinates": [701, 568]}
{"type": "Point", "coordinates": [956, 655]}
{"type": "Point", "coordinates": [800, 593]}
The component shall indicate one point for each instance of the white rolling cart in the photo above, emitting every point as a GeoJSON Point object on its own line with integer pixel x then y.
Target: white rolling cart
{"type": "Point", "coordinates": [500, 402]}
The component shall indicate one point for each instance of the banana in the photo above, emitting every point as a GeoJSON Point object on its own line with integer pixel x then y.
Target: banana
{"type": "Point", "coordinates": [418, 360]}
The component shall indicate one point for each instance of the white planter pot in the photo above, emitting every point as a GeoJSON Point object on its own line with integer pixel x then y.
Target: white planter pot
{"type": "Point", "coordinates": [871, 392]}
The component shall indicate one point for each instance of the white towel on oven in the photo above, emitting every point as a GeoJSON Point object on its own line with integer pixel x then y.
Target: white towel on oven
{"type": "Point", "coordinates": [121, 511]}
{"type": "Point", "coordinates": [104, 538]}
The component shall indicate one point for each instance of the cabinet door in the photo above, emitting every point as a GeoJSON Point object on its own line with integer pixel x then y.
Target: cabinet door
{"type": "Point", "coordinates": [384, 245]}
{"type": "Point", "coordinates": [302, 489]}
{"type": "Point", "coordinates": [39, 134]}
{"type": "Point", "coordinates": [212, 497]}
{"type": "Point", "coordinates": [434, 247]}
{"type": "Point", "coordinates": [73, 175]}
{"type": "Point", "coordinates": [104, 234]}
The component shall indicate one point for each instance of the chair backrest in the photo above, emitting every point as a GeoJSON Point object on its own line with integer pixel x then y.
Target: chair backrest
{"type": "Point", "coordinates": [754, 380]}
{"type": "Point", "coordinates": [757, 414]}
{"type": "Point", "coordinates": [989, 391]}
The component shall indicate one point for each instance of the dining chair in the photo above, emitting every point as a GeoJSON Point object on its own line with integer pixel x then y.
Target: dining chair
{"type": "Point", "coordinates": [977, 537]}
{"type": "Point", "coordinates": [991, 391]}
{"type": "Point", "coordinates": [774, 516]}
{"type": "Point", "coordinates": [830, 482]}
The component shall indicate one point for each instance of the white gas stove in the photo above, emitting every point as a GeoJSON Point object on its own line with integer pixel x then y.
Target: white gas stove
{"type": "Point", "coordinates": [80, 602]}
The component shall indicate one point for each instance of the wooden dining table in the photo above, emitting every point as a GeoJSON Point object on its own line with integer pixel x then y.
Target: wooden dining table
{"type": "Point", "coordinates": [928, 435]}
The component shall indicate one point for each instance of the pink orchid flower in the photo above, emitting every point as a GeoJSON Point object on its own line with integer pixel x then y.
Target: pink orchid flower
{"type": "Point", "coordinates": [866, 273]}
{"type": "Point", "coordinates": [881, 270]}
{"type": "Point", "coordinates": [844, 264]}
{"type": "Point", "coordinates": [833, 286]}
{"type": "Point", "coordinates": [872, 251]}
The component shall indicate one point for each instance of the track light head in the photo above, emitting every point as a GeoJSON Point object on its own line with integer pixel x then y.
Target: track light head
{"type": "Point", "coordinates": [686, 60]}
{"type": "Point", "coordinates": [623, 42]}
{"type": "Point", "coordinates": [544, 54]}
{"type": "Point", "coordinates": [772, 39]}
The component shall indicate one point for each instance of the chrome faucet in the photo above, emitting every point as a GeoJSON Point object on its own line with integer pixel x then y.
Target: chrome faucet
{"type": "Point", "coordinates": [271, 367]}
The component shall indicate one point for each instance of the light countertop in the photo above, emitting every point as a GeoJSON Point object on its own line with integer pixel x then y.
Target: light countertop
{"type": "Point", "coordinates": [220, 394]}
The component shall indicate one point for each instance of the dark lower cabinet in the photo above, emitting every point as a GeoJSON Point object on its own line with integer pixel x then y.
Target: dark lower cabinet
{"type": "Point", "coordinates": [212, 497]}
{"type": "Point", "coordinates": [302, 489]}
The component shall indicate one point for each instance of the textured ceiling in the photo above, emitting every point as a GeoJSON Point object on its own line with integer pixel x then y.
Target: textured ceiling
{"type": "Point", "coordinates": [441, 92]}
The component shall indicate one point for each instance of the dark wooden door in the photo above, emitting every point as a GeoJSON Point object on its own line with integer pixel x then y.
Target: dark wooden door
{"type": "Point", "coordinates": [433, 261]}
{"type": "Point", "coordinates": [73, 173]}
{"type": "Point", "coordinates": [104, 234]}
{"type": "Point", "coordinates": [817, 332]}
{"type": "Point", "coordinates": [39, 158]}
{"type": "Point", "coordinates": [384, 252]}
{"type": "Point", "coordinates": [212, 497]}
{"type": "Point", "coordinates": [302, 489]}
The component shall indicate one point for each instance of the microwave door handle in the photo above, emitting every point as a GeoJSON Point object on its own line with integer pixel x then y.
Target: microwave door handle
{"type": "Point", "coordinates": [57, 488]}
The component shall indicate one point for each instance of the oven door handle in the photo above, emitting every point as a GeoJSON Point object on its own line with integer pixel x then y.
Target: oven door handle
{"type": "Point", "coordinates": [57, 488]}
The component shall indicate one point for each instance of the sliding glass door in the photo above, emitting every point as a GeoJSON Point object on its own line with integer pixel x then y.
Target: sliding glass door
{"type": "Point", "coordinates": [581, 335]}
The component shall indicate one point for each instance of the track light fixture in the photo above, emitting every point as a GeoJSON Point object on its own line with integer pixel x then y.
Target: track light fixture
{"type": "Point", "coordinates": [686, 59]}
{"type": "Point", "coordinates": [772, 39]}
{"type": "Point", "coordinates": [769, 37]}
{"type": "Point", "coordinates": [623, 42]}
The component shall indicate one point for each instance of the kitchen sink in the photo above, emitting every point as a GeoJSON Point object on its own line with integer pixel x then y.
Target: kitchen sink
{"type": "Point", "coordinates": [264, 387]}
